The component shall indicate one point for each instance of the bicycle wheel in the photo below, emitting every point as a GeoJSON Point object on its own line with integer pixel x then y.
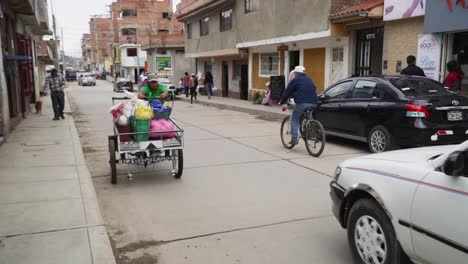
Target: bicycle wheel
{"type": "Point", "coordinates": [286, 133]}
{"type": "Point", "coordinates": [315, 138]}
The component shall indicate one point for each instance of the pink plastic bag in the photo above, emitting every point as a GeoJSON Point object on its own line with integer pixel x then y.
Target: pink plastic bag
{"type": "Point", "coordinates": [161, 125]}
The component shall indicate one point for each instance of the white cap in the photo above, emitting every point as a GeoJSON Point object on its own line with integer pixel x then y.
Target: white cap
{"type": "Point", "coordinates": [152, 77]}
{"type": "Point", "coordinates": [299, 69]}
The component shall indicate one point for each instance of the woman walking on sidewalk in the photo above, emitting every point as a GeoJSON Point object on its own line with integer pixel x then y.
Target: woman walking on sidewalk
{"type": "Point", "coordinates": [55, 83]}
{"type": "Point", "coordinates": [209, 84]}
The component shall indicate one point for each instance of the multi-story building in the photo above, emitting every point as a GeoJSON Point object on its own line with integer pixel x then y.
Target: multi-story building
{"type": "Point", "coordinates": [22, 24]}
{"type": "Point", "coordinates": [86, 51]}
{"type": "Point", "coordinates": [101, 42]}
{"type": "Point", "coordinates": [246, 42]}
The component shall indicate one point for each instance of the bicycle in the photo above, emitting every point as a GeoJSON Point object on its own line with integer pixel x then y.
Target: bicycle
{"type": "Point", "coordinates": [310, 130]}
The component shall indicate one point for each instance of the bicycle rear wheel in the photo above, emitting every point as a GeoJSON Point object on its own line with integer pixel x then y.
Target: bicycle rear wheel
{"type": "Point", "coordinates": [286, 133]}
{"type": "Point", "coordinates": [315, 138]}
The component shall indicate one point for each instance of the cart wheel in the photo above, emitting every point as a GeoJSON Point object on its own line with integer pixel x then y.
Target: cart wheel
{"type": "Point", "coordinates": [178, 164]}
{"type": "Point", "coordinates": [112, 160]}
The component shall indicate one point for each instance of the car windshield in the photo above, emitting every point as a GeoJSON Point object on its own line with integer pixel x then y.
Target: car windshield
{"type": "Point", "coordinates": [419, 87]}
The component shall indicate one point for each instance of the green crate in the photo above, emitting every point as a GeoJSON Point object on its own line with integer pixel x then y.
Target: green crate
{"type": "Point", "coordinates": [142, 126]}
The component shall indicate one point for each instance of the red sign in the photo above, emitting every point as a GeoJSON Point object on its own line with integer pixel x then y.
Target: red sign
{"type": "Point", "coordinates": [464, 4]}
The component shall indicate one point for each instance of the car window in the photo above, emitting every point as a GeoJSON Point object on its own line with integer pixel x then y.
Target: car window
{"type": "Point", "coordinates": [366, 90]}
{"type": "Point", "coordinates": [339, 91]}
{"type": "Point", "coordinates": [417, 87]}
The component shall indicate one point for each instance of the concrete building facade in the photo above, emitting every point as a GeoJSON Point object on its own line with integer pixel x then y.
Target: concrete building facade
{"type": "Point", "coordinates": [22, 24]}
{"type": "Point", "coordinates": [248, 42]}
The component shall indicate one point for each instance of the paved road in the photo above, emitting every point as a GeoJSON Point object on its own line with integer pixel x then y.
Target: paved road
{"type": "Point", "coordinates": [243, 198]}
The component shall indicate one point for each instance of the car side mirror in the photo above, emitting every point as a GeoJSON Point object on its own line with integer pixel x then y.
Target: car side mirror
{"type": "Point", "coordinates": [455, 164]}
{"type": "Point", "coordinates": [321, 97]}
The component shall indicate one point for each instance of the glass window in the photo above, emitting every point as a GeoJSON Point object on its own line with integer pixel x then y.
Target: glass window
{"type": "Point", "coordinates": [128, 12]}
{"type": "Point", "coordinates": [415, 87]}
{"type": "Point", "coordinates": [226, 20]}
{"type": "Point", "coordinates": [131, 52]}
{"type": "Point", "coordinates": [250, 6]}
{"type": "Point", "coordinates": [339, 91]}
{"type": "Point", "coordinates": [189, 31]}
{"type": "Point", "coordinates": [204, 26]}
{"type": "Point", "coordinates": [366, 90]}
{"type": "Point", "coordinates": [269, 64]}
{"type": "Point", "coordinates": [237, 70]}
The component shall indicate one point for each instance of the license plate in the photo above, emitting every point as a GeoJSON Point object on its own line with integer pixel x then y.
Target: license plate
{"type": "Point", "coordinates": [454, 116]}
{"type": "Point", "coordinates": [143, 160]}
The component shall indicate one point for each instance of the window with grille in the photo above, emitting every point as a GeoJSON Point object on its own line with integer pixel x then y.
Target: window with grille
{"type": "Point", "coordinates": [338, 54]}
{"type": "Point", "coordinates": [250, 6]}
{"type": "Point", "coordinates": [269, 64]}
{"type": "Point", "coordinates": [204, 26]}
{"type": "Point", "coordinates": [226, 20]}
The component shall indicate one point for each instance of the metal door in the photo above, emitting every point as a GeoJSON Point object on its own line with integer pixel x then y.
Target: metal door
{"type": "Point", "coordinates": [369, 51]}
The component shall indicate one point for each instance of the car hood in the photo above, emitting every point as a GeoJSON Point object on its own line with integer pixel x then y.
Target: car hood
{"type": "Point", "coordinates": [414, 155]}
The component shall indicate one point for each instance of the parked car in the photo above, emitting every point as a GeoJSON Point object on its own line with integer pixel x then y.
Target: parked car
{"type": "Point", "coordinates": [87, 79]}
{"type": "Point", "coordinates": [167, 82]}
{"type": "Point", "coordinates": [123, 84]}
{"type": "Point", "coordinates": [70, 75]}
{"type": "Point", "coordinates": [392, 111]}
{"type": "Point", "coordinates": [406, 203]}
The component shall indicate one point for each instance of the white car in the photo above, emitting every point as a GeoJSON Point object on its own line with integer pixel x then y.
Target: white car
{"type": "Point", "coordinates": [86, 79]}
{"type": "Point", "coordinates": [405, 205]}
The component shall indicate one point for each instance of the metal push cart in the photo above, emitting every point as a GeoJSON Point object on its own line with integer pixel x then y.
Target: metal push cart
{"type": "Point", "coordinates": [125, 149]}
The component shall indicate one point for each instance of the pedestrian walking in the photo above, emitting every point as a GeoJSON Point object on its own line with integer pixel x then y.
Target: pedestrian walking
{"type": "Point", "coordinates": [455, 76]}
{"type": "Point", "coordinates": [55, 83]}
{"type": "Point", "coordinates": [186, 82]}
{"type": "Point", "coordinates": [412, 69]}
{"type": "Point", "coordinates": [209, 84]}
{"type": "Point", "coordinates": [193, 83]}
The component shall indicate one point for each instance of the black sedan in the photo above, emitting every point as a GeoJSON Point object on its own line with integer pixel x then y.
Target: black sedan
{"type": "Point", "coordinates": [388, 112]}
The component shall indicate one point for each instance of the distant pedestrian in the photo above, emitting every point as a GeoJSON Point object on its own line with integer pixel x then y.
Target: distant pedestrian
{"type": "Point", "coordinates": [193, 83]}
{"type": "Point", "coordinates": [185, 82]}
{"type": "Point", "coordinates": [412, 69]}
{"type": "Point", "coordinates": [55, 83]}
{"type": "Point", "coordinates": [209, 84]}
{"type": "Point", "coordinates": [454, 78]}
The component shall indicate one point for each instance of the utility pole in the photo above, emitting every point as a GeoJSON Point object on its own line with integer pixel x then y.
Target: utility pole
{"type": "Point", "coordinates": [55, 36]}
{"type": "Point", "coordinates": [112, 42]}
{"type": "Point", "coordinates": [63, 47]}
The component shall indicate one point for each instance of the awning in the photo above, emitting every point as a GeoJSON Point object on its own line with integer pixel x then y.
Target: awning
{"type": "Point", "coordinates": [215, 53]}
{"type": "Point", "coordinates": [370, 9]}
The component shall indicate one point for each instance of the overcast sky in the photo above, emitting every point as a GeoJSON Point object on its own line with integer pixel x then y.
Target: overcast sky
{"type": "Point", "coordinates": [73, 17]}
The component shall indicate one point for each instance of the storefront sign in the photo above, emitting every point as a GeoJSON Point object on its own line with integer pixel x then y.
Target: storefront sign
{"type": "Point", "coordinates": [429, 52]}
{"type": "Point", "coordinates": [446, 16]}
{"type": "Point", "coordinates": [163, 65]}
{"type": "Point", "coordinates": [399, 9]}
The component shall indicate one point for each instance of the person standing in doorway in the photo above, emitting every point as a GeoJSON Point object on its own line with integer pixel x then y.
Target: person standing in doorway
{"type": "Point", "coordinates": [55, 83]}
{"type": "Point", "coordinates": [412, 69]}
{"type": "Point", "coordinates": [455, 77]}
{"type": "Point", "coordinates": [209, 84]}
{"type": "Point", "coordinates": [186, 82]}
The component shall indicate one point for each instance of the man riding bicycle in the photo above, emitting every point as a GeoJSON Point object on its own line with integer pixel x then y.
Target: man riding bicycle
{"type": "Point", "coordinates": [302, 89]}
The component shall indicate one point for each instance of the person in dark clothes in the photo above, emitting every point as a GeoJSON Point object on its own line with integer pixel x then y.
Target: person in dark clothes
{"type": "Point", "coordinates": [55, 84]}
{"type": "Point", "coordinates": [209, 84]}
{"type": "Point", "coordinates": [193, 83]}
{"type": "Point", "coordinates": [303, 90]}
{"type": "Point", "coordinates": [412, 69]}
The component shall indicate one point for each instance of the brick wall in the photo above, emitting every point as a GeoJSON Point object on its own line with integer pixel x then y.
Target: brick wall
{"type": "Point", "coordinates": [100, 38]}
{"type": "Point", "coordinates": [400, 41]}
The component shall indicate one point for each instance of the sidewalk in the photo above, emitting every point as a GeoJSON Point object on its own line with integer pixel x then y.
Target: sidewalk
{"type": "Point", "coordinates": [48, 207]}
{"type": "Point", "coordinates": [238, 105]}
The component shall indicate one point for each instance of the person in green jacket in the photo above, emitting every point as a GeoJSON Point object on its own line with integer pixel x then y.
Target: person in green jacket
{"type": "Point", "coordinates": [153, 89]}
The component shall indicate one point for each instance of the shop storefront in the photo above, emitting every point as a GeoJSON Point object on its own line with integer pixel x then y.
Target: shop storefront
{"type": "Point", "coordinates": [453, 33]}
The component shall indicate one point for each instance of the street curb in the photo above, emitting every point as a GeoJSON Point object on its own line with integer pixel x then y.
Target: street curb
{"type": "Point", "coordinates": [100, 246]}
{"type": "Point", "coordinates": [258, 112]}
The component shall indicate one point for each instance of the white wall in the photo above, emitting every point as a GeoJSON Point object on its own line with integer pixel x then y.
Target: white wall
{"type": "Point", "coordinates": [132, 61]}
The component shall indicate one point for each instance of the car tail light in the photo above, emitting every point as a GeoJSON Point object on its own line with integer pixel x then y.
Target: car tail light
{"type": "Point", "coordinates": [445, 132]}
{"type": "Point", "coordinates": [416, 111]}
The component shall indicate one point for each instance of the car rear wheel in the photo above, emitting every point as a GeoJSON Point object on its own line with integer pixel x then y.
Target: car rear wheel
{"type": "Point", "coordinates": [380, 140]}
{"type": "Point", "coordinates": [371, 235]}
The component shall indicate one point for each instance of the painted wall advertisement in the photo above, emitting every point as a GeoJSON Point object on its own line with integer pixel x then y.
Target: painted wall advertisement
{"type": "Point", "coordinates": [429, 52]}
{"type": "Point", "coordinates": [163, 65]}
{"type": "Point", "coordinates": [400, 9]}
